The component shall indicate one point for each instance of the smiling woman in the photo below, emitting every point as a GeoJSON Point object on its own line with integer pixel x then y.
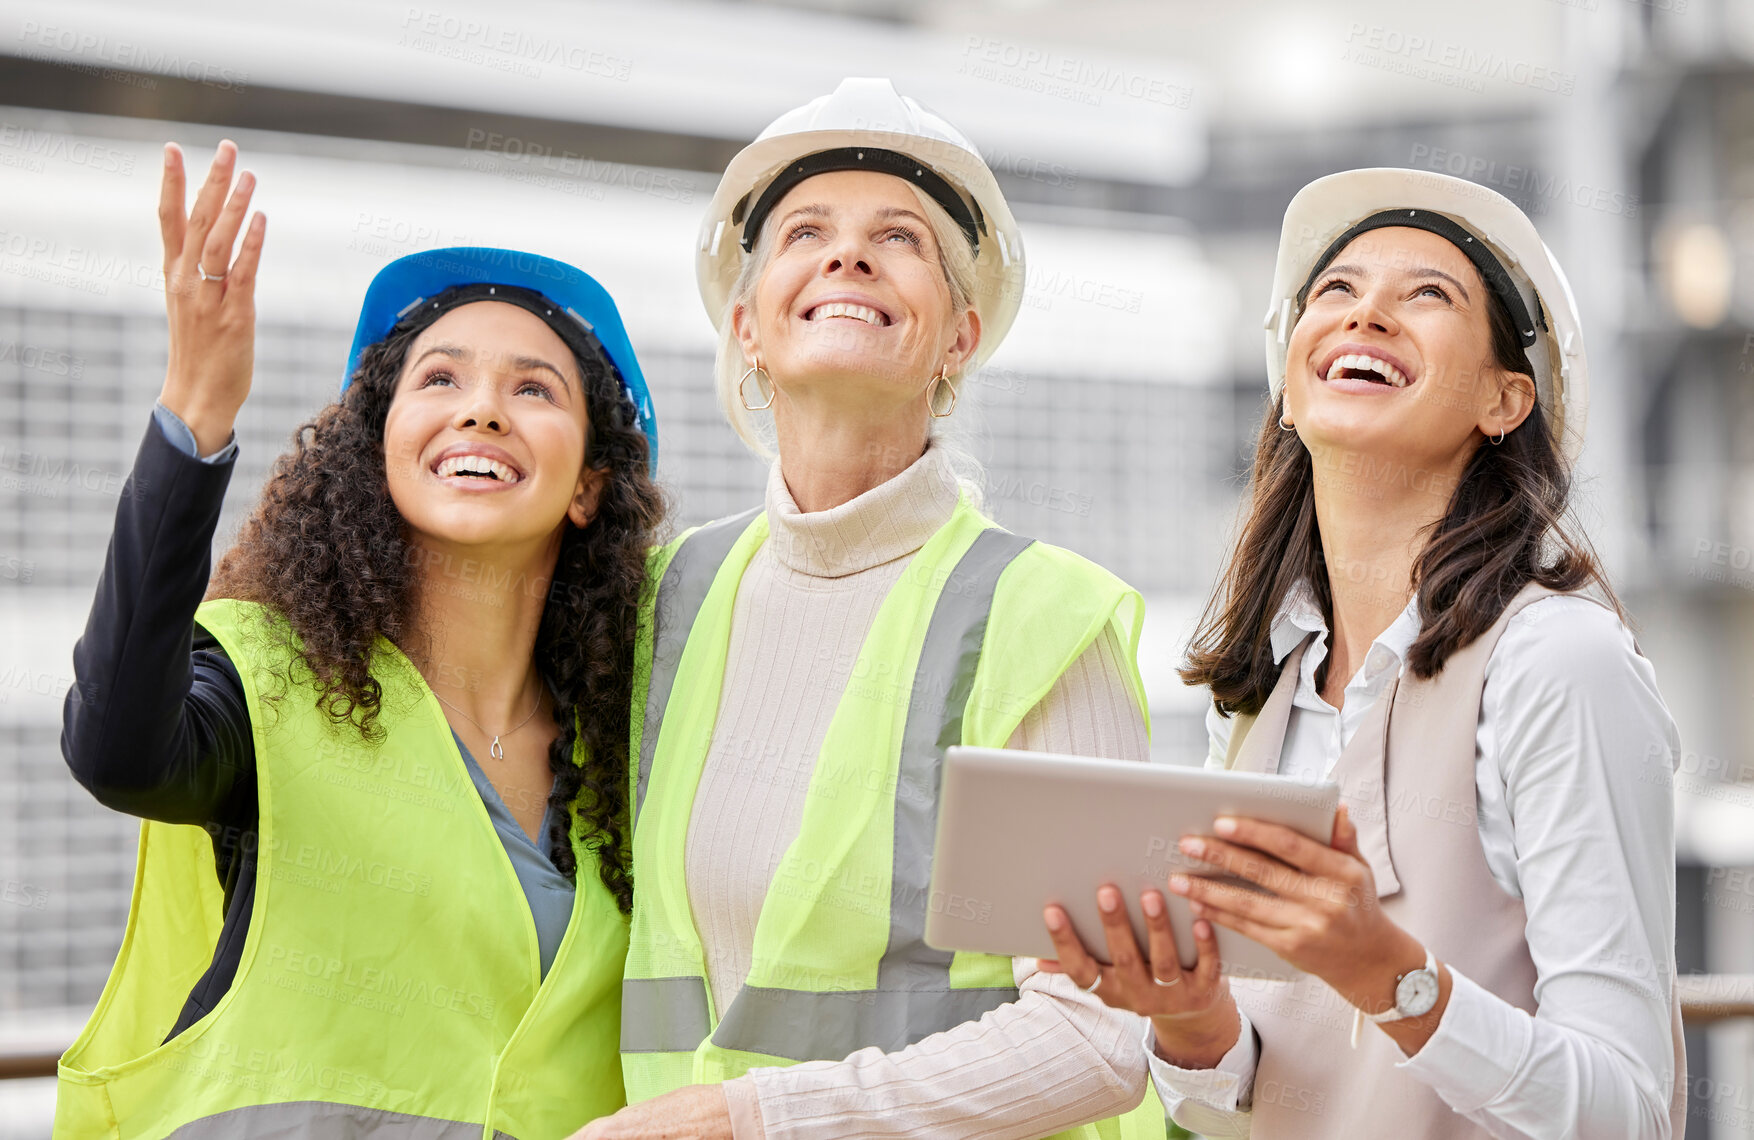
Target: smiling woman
{"type": "Point", "coordinates": [809, 661]}
{"type": "Point", "coordinates": [930, 274]}
{"type": "Point", "coordinates": [454, 482]}
{"type": "Point", "coordinates": [1409, 613]}
{"type": "Point", "coordinates": [398, 723]}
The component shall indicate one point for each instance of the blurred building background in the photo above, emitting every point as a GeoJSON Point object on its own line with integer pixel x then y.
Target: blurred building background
{"type": "Point", "coordinates": [1148, 149]}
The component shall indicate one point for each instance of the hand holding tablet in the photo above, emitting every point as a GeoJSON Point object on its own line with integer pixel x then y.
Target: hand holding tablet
{"type": "Point", "coordinates": [1192, 1012]}
{"type": "Point", "coordinates": [1020, 831]}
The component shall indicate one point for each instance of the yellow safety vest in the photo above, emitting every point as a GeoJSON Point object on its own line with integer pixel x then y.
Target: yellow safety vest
{"type": "Point", "coordinates": [390, 983]}
{"type": "Point", "coordinates": [978, 629]}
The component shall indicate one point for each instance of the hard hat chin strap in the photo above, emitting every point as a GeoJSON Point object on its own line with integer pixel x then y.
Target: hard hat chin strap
{"type": "Point", "coordinates": [964, 214]}
{"type": "Point", "coordinates": [1491, 270]}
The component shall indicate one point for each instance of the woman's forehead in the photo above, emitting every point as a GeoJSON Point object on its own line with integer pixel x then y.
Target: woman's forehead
{"type": "Point", "coordinates": [847, 190]}
{"type": "Point", "coordinates": [488, 328]}
{"type": "Point", "coordinates": [1404, 249]}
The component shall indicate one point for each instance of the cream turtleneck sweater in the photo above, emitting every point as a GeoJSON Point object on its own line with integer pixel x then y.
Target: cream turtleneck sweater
{"type": "Point", "coordinates": [1054, 1058]}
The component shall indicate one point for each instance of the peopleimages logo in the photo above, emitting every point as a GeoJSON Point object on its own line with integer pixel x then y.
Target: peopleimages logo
{"type": "Point", "coordinates": [39, 39]}
{"type": "Point", "coordinates": [568, 164]}
{"type": "Point", "coordinates": [73, 267]}
{"type": "Point", "coordinates": [32, 145]}
{"type": "Point", "coordinates": [1391, 49]}
{"type": "Point", "coordinates": [527, 263]}
{"type": "Point", "coordinates": [55, 362]}
{"type": "Point", "coordinates": [505, 48]}
{"type": "Point", "coordinates": [1532, 189]}
{"type": "Point", "coordinates": [1065, 76]}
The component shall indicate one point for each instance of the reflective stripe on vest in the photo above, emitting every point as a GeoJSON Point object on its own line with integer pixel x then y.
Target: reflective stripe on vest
{"type": "Point", "coordinates": [663, 1015]}
{"type": "Point", "coordinates": [952, 650]}
{"type": "Point", "coordinates": [323, 1118]}
{"type": "Point", "coordinates": [666, 1015]}
{"type": "Point", "coordinates": [680, 595]}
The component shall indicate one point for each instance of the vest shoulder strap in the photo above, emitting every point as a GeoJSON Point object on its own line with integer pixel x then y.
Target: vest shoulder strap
{"type": "Point", "coordinates": [680, 574]}
{"type": "Point", "coordinates": [231, 620]}
{"type": "Point", "coordinates": [1050, 606]}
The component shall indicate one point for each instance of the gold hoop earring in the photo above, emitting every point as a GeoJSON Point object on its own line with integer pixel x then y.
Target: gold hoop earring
{"type": "Point", "coordinates": [759, 373]}
{"type": "Point", "coordinates": [932, 394]}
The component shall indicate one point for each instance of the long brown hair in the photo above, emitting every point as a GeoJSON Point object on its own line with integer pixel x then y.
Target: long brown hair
{"type": "Point", "coordinates": [1505, 526]}
{"type": "Point", "coordinates": [328, 551]}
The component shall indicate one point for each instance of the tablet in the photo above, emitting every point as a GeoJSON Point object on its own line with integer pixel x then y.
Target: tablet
{"type": "Point", "coordinates": [1019, 830]}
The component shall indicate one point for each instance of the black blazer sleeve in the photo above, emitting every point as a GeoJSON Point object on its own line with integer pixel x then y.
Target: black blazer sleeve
{"type": "Point", "coordinates": [155, 723]}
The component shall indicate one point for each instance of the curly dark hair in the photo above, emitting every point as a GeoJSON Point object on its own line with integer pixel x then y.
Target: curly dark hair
{"type": "Point", "coordinates": [327, 550]}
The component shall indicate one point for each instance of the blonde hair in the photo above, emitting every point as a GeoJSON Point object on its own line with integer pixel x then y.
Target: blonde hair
{"type": "Point", "coordinates": [955, 258]}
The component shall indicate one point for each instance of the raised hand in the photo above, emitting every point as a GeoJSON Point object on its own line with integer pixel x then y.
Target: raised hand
{"type": "Point", "coordinates": [209, 298]}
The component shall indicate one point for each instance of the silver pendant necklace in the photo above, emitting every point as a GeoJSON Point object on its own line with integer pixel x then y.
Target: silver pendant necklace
{"type": "Point", "coordinates": [494, 750]}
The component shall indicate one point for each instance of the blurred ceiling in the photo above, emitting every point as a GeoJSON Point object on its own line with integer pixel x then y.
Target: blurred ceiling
{"type": "Point", "coordinates": [1125, 90]}
{"type": "Point", "coordinates": [1283, 61]}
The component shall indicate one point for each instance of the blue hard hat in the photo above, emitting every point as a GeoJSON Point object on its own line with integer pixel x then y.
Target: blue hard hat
{"type": "Point", "coordinates": [404, 283]}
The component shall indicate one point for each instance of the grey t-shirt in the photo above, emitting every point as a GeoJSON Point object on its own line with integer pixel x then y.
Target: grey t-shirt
{"type": "Point", "coordinates": [547, 891]}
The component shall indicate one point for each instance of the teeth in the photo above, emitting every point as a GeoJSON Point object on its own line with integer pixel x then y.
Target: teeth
{"type": "Point", "coordinates": [476, 465]}
{"type": "Point", "coordinates": [858, 312]}
{"type": "Point", "coordinates": [1368, 364]}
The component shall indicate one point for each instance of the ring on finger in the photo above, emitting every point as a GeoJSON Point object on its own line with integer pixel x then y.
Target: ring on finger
{"type": "Point", "coordinates": [1091, 988]}
{"type": "Point", "coordinates": [206, 276]}
{"type": "Point", "coordinates": [1174, 982]}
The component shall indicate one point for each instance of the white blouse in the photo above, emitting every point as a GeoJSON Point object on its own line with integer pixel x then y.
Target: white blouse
{"type": "Point", "coordinates": [1574, 761]}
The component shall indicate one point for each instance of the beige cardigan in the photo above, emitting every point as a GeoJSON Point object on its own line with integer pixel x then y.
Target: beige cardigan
{"type": "Point", "coordinates": [1050, 1060]}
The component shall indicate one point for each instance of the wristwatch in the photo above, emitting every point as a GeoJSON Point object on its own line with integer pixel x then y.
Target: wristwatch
{"type": "Point", "coordinates": [1415, 995]}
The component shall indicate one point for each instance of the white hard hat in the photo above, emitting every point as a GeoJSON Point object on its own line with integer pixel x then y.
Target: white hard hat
{"type": "Point", "coordinates": [865, 124]}
{"type": "Point", "coordinates": [1514, 263]}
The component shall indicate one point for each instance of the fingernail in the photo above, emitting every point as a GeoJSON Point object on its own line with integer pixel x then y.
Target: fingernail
{"type": "Point", "coordinates": [1224, 825]}
{"type": "Point", "coordinates": [1202, 929]}
{"type": "Point", "coordinates": [1178, 884]}
{"type": "Point", "coordinates": [1192, 846]}
{"type": "Point", "coordinates": [1052, 918]}
{"type": "Point", "coordinates": [1108, 899]}
{"type": "Point", "coordinates": [1151, 903]}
